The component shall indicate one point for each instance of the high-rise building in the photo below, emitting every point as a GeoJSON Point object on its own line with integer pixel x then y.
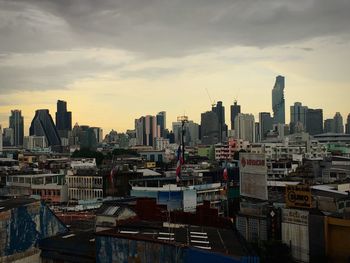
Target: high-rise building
{"type": "Point", "coordinates": [17, 124]}
{"type": "Point", "coordinates": [146, 130]}
{"type": "Point", "coordinates": [278, 103]}
{"type": "Point", "coordinates": [0, 139]}
{"type": "Point", "coordinates": [43, 125]}
{"type": "Point", "coordinates": [298, 114]}
{"type": "Point", "coordinates": [161, 123]}
{"type": "Point", "coordinates": [87, 137]}
{"type": "Point", "coordinates": [219, 109]}
{"type": "Point", "coordinates": [347, 126]}
{"type": "Point", "coordinates": [209, 128]}
{"type": "Point", "coordinates": [98, 134]}
{"type": "Point", "coordinates": [63, 119]}
{"type": "Point", "coordinates": [338, 123]}
{"type": "Point", "coordinates": [191, 136]}
{"type": "Point", "coordinates": [8, 137]}
{"type": "Point", "coordinates": [245, 127]}
{"type": "Point", "coordinates": [235, 109]}
{"type": "Point", "coordinates": [314, 121]}
{"type": "Point", "coordinates": [329, 126]}
{"type": "Point", "coordinates": [265, 124]}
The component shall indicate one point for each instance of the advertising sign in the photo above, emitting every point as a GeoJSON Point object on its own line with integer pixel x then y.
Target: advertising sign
{"type": "Point", "coordinates": [294, 216]}
{"type": "Point", "coordinates": [298, 196]}
{"type": "Point", "coordinates": [253, 175]}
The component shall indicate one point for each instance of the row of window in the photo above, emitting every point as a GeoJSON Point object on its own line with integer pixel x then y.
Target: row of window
{"type": "Point", "coordinates": [85, 194]}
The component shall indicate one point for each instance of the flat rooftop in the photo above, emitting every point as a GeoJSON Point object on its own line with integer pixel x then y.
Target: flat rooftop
{"type": "Point", "coordinates": [224, 241]}
{"type": "Point", "coordinates": [74, 246]}
{"type": "Point", "coordinates": [9, 204]}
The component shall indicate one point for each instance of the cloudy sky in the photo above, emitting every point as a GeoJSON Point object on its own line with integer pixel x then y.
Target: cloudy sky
{"type": "Point", "coordinates": [115, 60]}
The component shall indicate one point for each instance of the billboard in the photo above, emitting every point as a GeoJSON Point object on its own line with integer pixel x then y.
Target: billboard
{"type": "Point", "coordinates": [298, 196]}
{"type": "Point", "coordinates": [253, 175]}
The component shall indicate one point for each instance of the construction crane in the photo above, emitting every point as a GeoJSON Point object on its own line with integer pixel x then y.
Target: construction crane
{"type": "Point", "coordinates": [213, 103]}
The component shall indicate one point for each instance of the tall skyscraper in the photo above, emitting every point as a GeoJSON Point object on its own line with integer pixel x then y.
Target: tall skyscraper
{"type": "Point", "coordinates": [17, 124]}
{"type": "Point", "coordinates": [298, 114]}
{"type": "Point", "coordinates": [245, 127]}
{"type": "Point", "coordinates": [98, 134]}
{"type": "Point", "coordinates": [314, 121]}
{"type": "Point", "coordinates": [329, 126]}
{"type": "Point", "coordinates": [209, 128]}
{"type": "Point", "coordinates": [8, 137]}
{"type": "Point", "coordinates": [0, 139]}
{"type": "Point", "coordinates": [43, 125]}
{"type": "Point", "coordinates": [161, 123]}
{"type": "Point", "coordinates": [191, 136]}
{"type": "Point", "coordinates": [278, 103]}
{"type": "Point", "coordinates": [219, 109]}
{"type": "Point", "coordinates": [265, 124]}
{"type": "Point", "coordinates": [338, 123]}
{"type": "Point", "coordinates": [146, 130]}
{"type": "Point", "coordinates": [63, 119]}
{"type": "Point", "coordinates": [347, 126]}
{"type": "Point", "coordinates": [235, 109]}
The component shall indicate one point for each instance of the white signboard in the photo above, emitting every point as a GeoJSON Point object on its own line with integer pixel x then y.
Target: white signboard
{"type": "Point", "coordinates": [294, 216]}
{"type": "Point", "coordinates": [253, 175]}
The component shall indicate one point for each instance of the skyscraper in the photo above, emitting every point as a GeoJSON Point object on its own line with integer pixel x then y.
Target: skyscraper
{"type": "Point", "coordinates": [63, 119]}
{"type": "Point", "coordinates": [235, 109]}
{"type": "Point", "coordinates": [161, 123]}
{"type": "Point", "coordinates": [338, 123]}
{"type": "Point", "coordinates": [245, 127]}
{"type": "Point", "coordinates": [43, 125]}
{"type": "Point", "coordinates": [209, 128]}
{"type": "Point", "coordinates": [16, 123]}
{"type": "Point", "coordinates": [219, 109]}
{"type": "Point", "coordinates": [314, 121]}
{"type": "Point", "coordinates": [8, 137]}
{"type": "Point", "coordinates": [278, 103]}
{"type": "Point", "coordinates": [0, 139]}
{"type": "Point", "coordinates": [298, 114]}
{"type": "Point", "coordinates": [347, 126]}
{"type": "Point", "coordinates": [191, 136]}
{"type": "Point", "coordinates": [265, 124]}
{"type": "Point", "coordinates": [329, 126]}
{"type": "Point", "coordinates": [146, 130]}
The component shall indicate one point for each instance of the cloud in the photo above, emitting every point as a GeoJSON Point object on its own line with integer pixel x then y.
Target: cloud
{"type": "Point", "coordinates": [167, 27]}
{"type": "Point", "coordinates": [57, 70]}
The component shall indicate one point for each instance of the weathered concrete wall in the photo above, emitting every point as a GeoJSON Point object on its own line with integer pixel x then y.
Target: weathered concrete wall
{"type": "Point", "coordinates": [113, 249]}
{"type": "Point", "coordinates": [23, 226]}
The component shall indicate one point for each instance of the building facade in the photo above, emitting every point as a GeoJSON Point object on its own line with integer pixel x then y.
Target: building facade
{"type": "Point", "coordinates": [17, 124]}
{"type": "Point", "coordinates": [245, 127]}
{"type": "Point", "coordinates": [43, 125]}
{"type": "Point", "coordinates": [314, 121]}
{"type": "Point", "coordinates": [63, 119]}
{"type": "Point", "coordinates": [278, 102]}
{"type": "Point", "coordinates": [235, 109]}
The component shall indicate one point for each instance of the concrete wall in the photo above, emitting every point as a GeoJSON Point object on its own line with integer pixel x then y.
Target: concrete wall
{"type": "Point", "coordinates": [112, 249]}
{"type": "Point", "coordinates": [22, 227]}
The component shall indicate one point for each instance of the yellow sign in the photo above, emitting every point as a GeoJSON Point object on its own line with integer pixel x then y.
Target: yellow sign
{"type": "Point", "coordinates": [298, 196]}
{"type": "Point", "coordinates": [151, 165]}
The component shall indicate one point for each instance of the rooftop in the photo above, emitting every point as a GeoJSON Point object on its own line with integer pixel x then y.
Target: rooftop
{"type": "Point", "coordinates": [225, 241]}
{"type": "Point", "coordinates": [14, 203]}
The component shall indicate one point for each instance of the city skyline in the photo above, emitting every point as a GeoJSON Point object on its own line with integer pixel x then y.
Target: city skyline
{"type": "Point", "coordinates": [151, 60]}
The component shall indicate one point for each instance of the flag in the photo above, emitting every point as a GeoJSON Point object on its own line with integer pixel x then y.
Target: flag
{"type": "Point", "coordinates": [179, 164]}
{"type": "Point", "coordinates": [225, 174]}
{"type": "Point", "coordinates": [111, 178]}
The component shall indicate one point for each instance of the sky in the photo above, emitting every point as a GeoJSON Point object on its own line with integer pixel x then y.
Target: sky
{"type": "Point", "coordinates": [114, 60]}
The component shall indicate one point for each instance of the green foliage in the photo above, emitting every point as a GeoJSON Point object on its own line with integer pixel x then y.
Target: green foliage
{"type": "Point", "coordinates": [117, 152]}
{"type": "Point", "coordinates": [86, 153]}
